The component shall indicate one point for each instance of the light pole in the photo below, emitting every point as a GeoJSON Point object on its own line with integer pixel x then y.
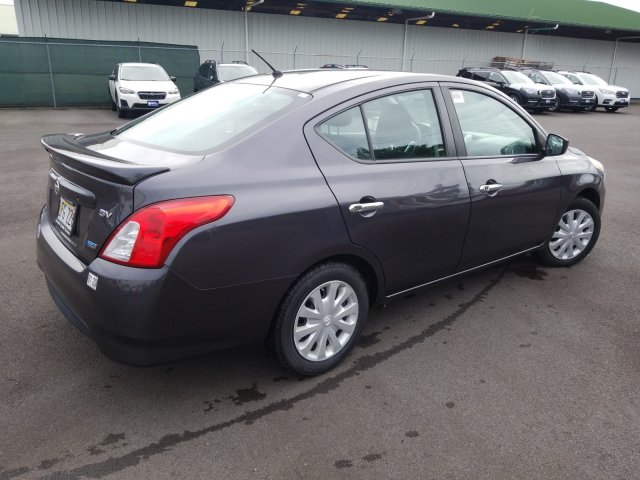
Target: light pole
{"type": "Point", "coordinates": [615, 53]}
{"type": "Point", "coordinates": [246, 28]}
{"type": "Point", "coordinates": [406, 25]}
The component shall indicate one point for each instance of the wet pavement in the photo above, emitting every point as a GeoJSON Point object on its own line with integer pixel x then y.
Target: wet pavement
{"type": "Point", "coordinates": [517, 372]}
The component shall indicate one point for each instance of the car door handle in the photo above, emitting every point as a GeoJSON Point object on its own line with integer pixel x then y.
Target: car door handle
{"type": "Point", "coordinates": [490, 187]}
{"type": "Point", "coordinates": [365, 207]}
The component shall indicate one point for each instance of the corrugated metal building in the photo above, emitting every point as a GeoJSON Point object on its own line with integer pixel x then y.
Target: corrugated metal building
{"type": "Point", "coordinates": [299, 41]}
{"type": "Point", "coordinates": [8, 24]}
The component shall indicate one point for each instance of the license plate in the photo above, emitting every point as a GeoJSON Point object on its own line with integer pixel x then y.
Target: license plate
{"type": "Point", "coordinates": [152, 103]}
{"type": "Point", "coordinates": [66, 216]}
{"type": "Point", "coordinates": [548, 101]}
{"type": "Point", "coordinates": [588, 101]}
{"type": "Point", "coordinates": [623, 100]}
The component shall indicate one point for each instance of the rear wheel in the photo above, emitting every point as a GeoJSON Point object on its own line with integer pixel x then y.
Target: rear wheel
{"type": "Point", "coordinates": [611, 109]}
{"type": "Point", "coordinates": [574, 236]}
{"type": "Point", "coordinates": [320, 319]}
{"type": "Point", "coordinates": [112, 103]}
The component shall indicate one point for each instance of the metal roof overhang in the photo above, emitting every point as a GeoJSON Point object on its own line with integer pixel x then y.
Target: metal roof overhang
{"type": "Point", "coordinates": [577, 18]}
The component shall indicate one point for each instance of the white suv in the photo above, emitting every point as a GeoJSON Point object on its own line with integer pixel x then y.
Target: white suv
{"type": "Point", "coordinates": [611, 97]}
{"type": "Point", "coordinates": [140, 87]}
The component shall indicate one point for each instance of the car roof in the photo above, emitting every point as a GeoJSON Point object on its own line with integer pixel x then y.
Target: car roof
{"type": "Point", "coordinates": [139, 64]}
{"type": "Point", "coordinates": [312, 80]}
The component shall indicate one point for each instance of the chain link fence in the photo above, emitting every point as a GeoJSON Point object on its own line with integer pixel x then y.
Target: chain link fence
{"type": "Point", "coordinates": [64, 73]}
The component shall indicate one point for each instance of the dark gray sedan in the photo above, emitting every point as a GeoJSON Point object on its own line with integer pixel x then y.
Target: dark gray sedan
{"type": "Point", "coordinates": [284, 208]}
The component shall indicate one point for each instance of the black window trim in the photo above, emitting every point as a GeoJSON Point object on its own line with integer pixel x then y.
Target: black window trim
{"type": "Point", "coordinates": [538, 132]}
{"type": "Point", "coordinates": [441, 111]}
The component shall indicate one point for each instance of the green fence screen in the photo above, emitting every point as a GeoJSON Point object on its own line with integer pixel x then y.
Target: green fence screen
{"type": "Point", "coordinates": [48, 72]}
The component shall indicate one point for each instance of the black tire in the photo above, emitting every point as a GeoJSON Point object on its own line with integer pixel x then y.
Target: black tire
{"type": "Point", "coordinates": [555, 107]}
{"type": "Point", "coordinates": [592, 108]}
{"type": "Point", "coordinates": [611, 109]}
{"type": "Point", "coordinates": [121, 112]}
{"type": "Point", "coordinates": [546, 256]}
{"type": "Point", "coordinates": [515, 97]}
{"type": "Point", "coordinates": [112, 103]}
{"type": "Point", "coordinates": [287, 318]}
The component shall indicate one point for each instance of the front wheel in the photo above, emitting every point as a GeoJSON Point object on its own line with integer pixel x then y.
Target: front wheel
{"type": "Point", "coordinates": [592, 108]}
{"type": "Point", "coordinates": [574, 236]}
{"type": "Point", "coordinates": [555, 107]}
{"type": "Point", "coordinates": [515, 98]}
{"type": "Point", "coordinates": [320, 319]}
{"type": "Point", "coordinates": [121, 112]}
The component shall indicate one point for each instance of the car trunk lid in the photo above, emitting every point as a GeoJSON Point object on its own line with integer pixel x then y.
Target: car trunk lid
{"type": "Point", "coordinates": [91, 186]}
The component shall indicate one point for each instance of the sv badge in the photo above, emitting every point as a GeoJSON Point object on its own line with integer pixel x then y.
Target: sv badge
{"type": "Point", "coordinates": [105, 214]}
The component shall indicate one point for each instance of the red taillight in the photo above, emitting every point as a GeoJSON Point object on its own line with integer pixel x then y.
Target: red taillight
{"type": "Point", "coordinates": [146, 238]}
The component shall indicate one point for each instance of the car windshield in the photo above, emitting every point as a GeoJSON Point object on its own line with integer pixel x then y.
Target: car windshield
{"type": "Point", "coordinates": [516, 77]}
{"type": "Point", "coordinates": [591, 79]}
{"type": "Point", "coordinates": [553, 77]}
{"type": "Point", "coordinates": [227, 73]}
{"type": "Point", "coordinates": [152, 73]}
{"type": "Point", "coordinates": [218, 115]}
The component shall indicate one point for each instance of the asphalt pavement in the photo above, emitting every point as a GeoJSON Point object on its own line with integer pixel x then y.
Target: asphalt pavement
{"type": "Point", "coordinates": [515, 372]}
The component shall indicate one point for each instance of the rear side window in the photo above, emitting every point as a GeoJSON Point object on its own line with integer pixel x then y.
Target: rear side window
{"type": "Point", "coordinates": [490, 128]}
{"type": "Point", "coordinates": [401, 126]}
{"type": "Point", "coordinates": [203, 122]}
{"type": "Point", "coordinates": [346, 131]}
{"type": "Point", "coordinates": [404, 125]}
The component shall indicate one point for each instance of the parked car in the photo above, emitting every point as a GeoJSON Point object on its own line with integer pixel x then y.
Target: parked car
{"type": "Point", "coordinates": [520, 88]}
{"type": "Point", "coordinates": [348, 67]}
{"type": "Point", "coordinates": [211, 73]}
{"type": "Point", "coordinates": [611, 97]}
{"type": "Point", "coordinates": [284, 208]}
{"type": "Point", "coordinates": [140, 87]}
{"type": "Point", "coordinates": [568, 95]}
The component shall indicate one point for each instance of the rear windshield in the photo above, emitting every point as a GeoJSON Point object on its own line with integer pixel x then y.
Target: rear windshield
{"type": "Point", "coordinates": [203, 122]}
{"type": "Point", "coordinates": [226, 73]}
{"type": "Point", "coordinates": [143, 73]}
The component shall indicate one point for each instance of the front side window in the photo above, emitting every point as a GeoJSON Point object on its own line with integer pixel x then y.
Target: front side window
{"type": "Point", "coordinates": [490, 128]}
{"type": "Point", "coordinates": [496, 77]}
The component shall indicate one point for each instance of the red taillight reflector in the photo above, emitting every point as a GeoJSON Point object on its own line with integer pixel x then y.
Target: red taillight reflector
{"type": "Point", "coordinates": [146, 238]}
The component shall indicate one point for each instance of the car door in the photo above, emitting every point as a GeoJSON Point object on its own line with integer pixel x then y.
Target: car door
{"type": "Point", "coordinates": [390, 160]}
{"type": "Point", "coordinates": [515, 194]}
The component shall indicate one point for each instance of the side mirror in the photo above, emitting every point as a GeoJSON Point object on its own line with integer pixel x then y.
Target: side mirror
{"type": "Point", "coordinates": [556, 145]}
{"type": "Point", "coordinates": [173, 79]}
{"type": "Point", "coordinates": [112, 77]}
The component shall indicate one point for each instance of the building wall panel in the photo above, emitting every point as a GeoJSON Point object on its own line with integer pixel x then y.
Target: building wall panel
{"type": "Point", "coordinates": [318, 41]}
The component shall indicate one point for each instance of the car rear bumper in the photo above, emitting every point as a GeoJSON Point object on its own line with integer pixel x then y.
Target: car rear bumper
{"type": "Point", "coordinates": [149, 316]}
